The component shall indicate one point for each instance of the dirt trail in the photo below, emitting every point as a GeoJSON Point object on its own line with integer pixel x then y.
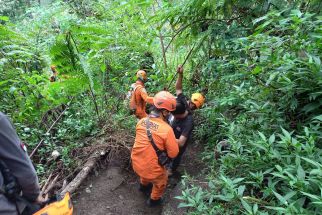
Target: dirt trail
{"type": "Point", "coordinates": [114, 190]}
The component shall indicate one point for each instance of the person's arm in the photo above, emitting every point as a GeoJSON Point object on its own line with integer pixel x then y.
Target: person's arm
{"type": "Point", "coordinates": [145, 96]}
{"type": "Point", "coordinates": [182, 140]}
{"type": "Point", "coordinates": [179, 80]}
{"type": "Point", "coordinates": [186, 132]}
{"type": "Point", "coordinates": [13, 154]}
{"type": "Point", "coordinates": [171, 145]}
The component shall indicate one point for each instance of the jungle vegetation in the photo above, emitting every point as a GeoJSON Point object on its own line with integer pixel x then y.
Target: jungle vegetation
{"type": "Point", "coordinates": [257, 62]}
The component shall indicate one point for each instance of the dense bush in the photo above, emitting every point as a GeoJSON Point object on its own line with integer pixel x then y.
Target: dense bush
{"type": "Point", "coordinates": [264, 100]}
{"type": "Point", "coordinates": [97, 49]}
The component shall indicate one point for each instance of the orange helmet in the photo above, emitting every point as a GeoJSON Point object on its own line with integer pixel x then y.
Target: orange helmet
{"type": "Point", "coordinates": [198, 99]}
{"type": "Point", "coordinates": [141, 74]}
{"type": "Point", "coordinates": [165, 100]}
{"type": "Point", "coordinates": [53, 67]}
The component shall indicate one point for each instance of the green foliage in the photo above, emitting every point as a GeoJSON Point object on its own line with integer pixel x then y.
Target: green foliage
{"type": "Point", "coordinates": [262, 74]}
{"type": "Point", "coordinates": [15, 8]}
{"type": "Point", "coordinates": [258, 62]}
{"type": "Point", "coordinates": [97, 48]}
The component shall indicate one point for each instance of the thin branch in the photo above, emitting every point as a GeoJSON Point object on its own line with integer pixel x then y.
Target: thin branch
{"type": "Point", "coordinates": [182, 29]}
{"type": "Point", "coordinates": [162, 43]}
{"type": "Point", "coordinates": [94, 100]}
{"type": "Point", "coordinates": [163, 51]}
{"type": "Point", "coordinates": [194, 22]}
{"type": "Point", "coordinates": [184, 62]}
{"type": "Point", "coordinates": [51, 127]}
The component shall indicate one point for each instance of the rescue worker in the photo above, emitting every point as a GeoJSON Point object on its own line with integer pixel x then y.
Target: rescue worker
{"type": "Point", "coordinates": [54, 77]}
{"type": "Point", "coordinates": [13, 155]}
{"type": "Point", "coordinates": [181, 120]}
{"type": "Point", "coordinates": [144, 157]}
{"type": "Point", "coordinates": [140, 96]}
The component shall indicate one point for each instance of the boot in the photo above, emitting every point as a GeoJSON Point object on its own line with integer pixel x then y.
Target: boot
{"type": "Point", "coordinates": [154, 203]}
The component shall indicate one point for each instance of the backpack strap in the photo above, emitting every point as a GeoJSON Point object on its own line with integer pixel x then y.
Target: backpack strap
{"type": "Point", "coordinates": [157, 150]}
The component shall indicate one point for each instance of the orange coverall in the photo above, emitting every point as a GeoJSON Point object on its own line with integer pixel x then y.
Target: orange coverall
{"type": "Point", "coordinates": [144, 158]}
{"type": "Point", "coordinates": [141, 98]}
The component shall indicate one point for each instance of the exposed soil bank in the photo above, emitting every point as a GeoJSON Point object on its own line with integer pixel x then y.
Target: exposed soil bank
{"type": "Point", "coordinates": [114, 190]}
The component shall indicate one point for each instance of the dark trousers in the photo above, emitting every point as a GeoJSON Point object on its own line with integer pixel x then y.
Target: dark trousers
{"type": "Point", "coordinates": [176, 161]}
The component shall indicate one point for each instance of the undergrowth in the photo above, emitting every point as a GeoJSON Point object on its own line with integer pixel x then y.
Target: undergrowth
{"type": "Point", "coordinates": [268, 111]}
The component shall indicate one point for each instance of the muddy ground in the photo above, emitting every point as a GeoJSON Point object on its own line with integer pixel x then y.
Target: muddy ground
{"type": "Point", "coordinates": [113, 189]}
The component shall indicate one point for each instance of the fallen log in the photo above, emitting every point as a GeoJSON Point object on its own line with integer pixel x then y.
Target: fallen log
{"type": "Point", "coordinates": [88, 166]}
{"type": "Point", "coordinates": [100, 150]}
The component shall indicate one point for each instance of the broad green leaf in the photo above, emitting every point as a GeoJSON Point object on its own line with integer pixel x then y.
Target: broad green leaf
{"type": "Point", "coordinates": [179, 197]}
{"type": "Point", "coordinates": [256, 70]}
{"type": "Point", "coordinates": [312, 162]}
{"type": "Point", "coordinates": [184, 205]}
{"type": "Point", "coordinates": [311, 107]}
{"type": "Point", "coordinates": [286, 134]}
{"type": "Point", "coordinates": [268, 171]}
{"type": "Point", "coordinates": [4, 82]}
{"type": "Point", "coordinates": [290, 195]}
{"type": "Point", "coordinates": [319, 118]}
{"type": "Point", "coordinates": [247, 207]}
{"type": "Point", "coordinates": [271, 139]}
{"type": "Point", "coordinates": [237, 180]}
{"type": "Point", "coordinates": [260, 146]}
{"type": "Point", "coordinates": [318, 203]}
{"type": "Point", "coordinates": [298, 13]}
{"type": "Point", "coordinates": [318, 36]}
{"type": "Point", "coordinates": [280, 175]}
{"type": "Point", "coordinates": [316, 172]}
{"type": "Point", "coordinates": [262, 136]}
{"type": "Point", "coordinates": [280, 198]}
{"type": "Point", "coordinates": [4, 18]}
{"type": "Point", "coordinates": [311, 195]}
{"type": "Point", "coordinates": [279, 209]}
{"type": "Point", "coordinates": [290, 175]}
{"type": "Point", "coordinates": [198, 195]}
{"type": "Point", "coordinates": [255, 208]}
{"type": "Point", "coordinates": [241, 190]}
{"type": "Point", "coordinates": [211, 185]}
{"type": "Point", "coordinates": [259, 19]}
{"type": "Point", "coordinates": [271, 78]}
{"type": "Point", "coordinates": [300, 173]}
{"type": "Point", "coordinates": [279, 168]}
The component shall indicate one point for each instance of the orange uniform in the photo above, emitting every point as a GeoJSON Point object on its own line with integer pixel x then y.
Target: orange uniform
{"type": "Point", "coordinates": [144, 158]}
{"type": "Point", "coordinates": [141, 98]}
